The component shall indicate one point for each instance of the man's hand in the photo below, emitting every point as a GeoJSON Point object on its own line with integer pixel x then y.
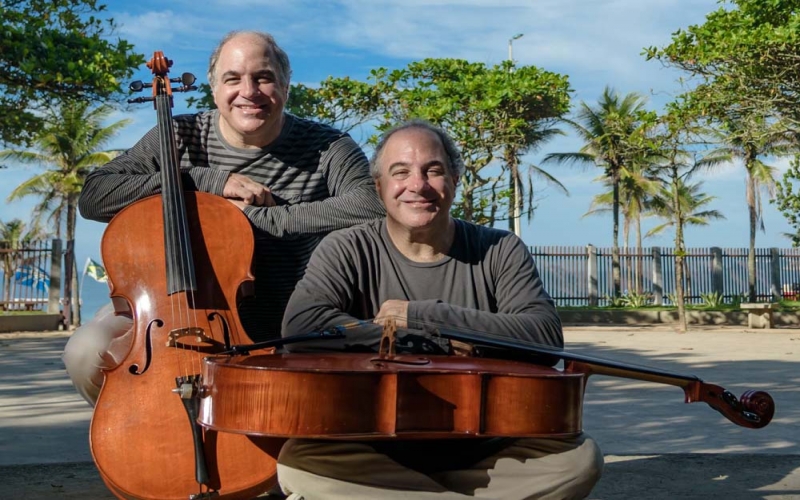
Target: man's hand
{"type": "Point", "coordinates": [242, 189]}
{"type": "Point", "coordinates": [461, 348]}
{"type": "Point", "coordinates": [397, 309]}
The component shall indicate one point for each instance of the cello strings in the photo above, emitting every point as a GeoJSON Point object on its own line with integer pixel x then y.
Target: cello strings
{"type": "Point", "coordinates": [174, 239]}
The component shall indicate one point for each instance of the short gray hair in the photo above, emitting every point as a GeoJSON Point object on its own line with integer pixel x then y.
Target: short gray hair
{"type": "Point", "coordinates": [455, 165]}
{"type": "Point", "coordinates": [281, 58]}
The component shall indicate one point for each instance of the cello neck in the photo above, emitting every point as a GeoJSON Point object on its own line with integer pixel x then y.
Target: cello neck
{"type": "Point", "coordinates": [177, 242]}
{"type": "Point", "coordinates": [754, 409]}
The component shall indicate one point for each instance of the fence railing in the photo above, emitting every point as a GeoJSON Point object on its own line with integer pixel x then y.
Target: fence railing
{"type": "Point", "coordinates": [582, 276]}
{"type": "Point", "coordinates": [31, 276]}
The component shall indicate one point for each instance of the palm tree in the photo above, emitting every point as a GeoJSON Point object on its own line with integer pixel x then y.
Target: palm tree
{"type": "Point", "coordinates": [750, 139]}
{"type": "Point", "coordinates": [692, 211]}
{"type": "Point", "coordinates": [693, 207]}
{"type": "Point", "coordinates": [71, 143]}
{"type": "Point", "coordinates": [520, 203]}
{"type": "Point", "coordinates": [610, 131]}
{"type": "Point", "coordinates": [636, 187]}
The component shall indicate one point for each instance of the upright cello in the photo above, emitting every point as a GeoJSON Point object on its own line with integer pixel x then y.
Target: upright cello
{"type": "Point", "coordinates": [177, 263]}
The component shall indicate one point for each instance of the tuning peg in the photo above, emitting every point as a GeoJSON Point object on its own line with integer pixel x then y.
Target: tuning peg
{"type": "Point", "coordinates": [138, 85]}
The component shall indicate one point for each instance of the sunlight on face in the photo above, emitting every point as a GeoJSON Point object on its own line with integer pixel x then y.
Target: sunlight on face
{"type": "Point", "coordinates": [248, 93]}
{"type": "Point", "coordinates": [415, 184]}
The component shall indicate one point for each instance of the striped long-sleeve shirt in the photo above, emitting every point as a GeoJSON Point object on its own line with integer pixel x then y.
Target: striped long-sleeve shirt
{"type": "Point", "coordinates": [318, 176]}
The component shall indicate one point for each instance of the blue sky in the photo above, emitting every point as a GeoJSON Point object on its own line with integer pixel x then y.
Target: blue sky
{"type": "Point", "coordinates": [595, 42]}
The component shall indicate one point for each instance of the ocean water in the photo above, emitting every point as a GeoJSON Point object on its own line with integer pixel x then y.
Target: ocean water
{"type": "Point", "coordinates": [94, 295]}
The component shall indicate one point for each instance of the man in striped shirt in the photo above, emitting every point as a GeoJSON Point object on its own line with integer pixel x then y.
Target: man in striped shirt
{"type": "Point", "coordinates": [295, 180]}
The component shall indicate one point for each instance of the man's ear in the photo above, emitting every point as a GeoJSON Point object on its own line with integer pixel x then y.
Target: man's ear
{"type": "Point", "coordinates": [378, 186]}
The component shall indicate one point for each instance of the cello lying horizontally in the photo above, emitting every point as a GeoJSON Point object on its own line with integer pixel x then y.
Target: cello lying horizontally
{"type": "Point", "coordinates": [383, 396]}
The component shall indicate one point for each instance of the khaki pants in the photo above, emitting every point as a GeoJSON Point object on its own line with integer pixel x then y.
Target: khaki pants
{"type": "Point", "coordinates": [553, 469]}
{"type": "Point", "coordinates": [100, 344]}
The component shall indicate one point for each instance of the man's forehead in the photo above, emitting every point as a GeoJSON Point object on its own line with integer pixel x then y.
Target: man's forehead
{"type": "Point", "coordinates": [412, 139]}
{"type": "Point", "coordinates": [248, 45]}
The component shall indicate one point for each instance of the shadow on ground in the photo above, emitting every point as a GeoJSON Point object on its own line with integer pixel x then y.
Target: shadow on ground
{"type": "Point", "coordinates": [732, 477]}
{"type": "Point", "coordinates": [660, 477]}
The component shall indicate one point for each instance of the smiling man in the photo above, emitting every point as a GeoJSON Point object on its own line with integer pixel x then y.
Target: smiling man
{"type": "Point", "coordinates": [426, 269]}
{"type": "Point", "coordinates": [295, 180]}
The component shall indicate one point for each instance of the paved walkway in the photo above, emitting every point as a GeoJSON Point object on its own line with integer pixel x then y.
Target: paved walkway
{"type": "Point", "coordinates": [656, 446]}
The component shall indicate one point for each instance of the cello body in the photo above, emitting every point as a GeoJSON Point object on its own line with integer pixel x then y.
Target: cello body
{"type": "Point", "coordinates": [177, 264]}
{"type": "Point", "coordinates": [140, 436]}
{"type": "Point", "coordinates": [390, 396]}
{"type": "Point", "coordinates": [362, 396]}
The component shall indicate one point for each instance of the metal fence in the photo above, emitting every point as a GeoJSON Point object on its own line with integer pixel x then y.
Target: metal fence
{"type": "Point", "coordinates": [581, 276]}
{"type": "Point", "coordinates": [30, 276]}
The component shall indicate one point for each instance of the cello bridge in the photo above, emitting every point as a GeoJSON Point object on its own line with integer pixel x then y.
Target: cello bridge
{"type": "Point", "coordinates": [194, 338]}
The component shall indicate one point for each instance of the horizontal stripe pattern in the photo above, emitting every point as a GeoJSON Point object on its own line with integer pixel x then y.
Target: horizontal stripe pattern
{"type": "Point", "coordinates": [318, 175]}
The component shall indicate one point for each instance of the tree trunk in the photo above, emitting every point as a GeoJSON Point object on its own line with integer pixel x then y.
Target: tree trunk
{"type": "Point", "coordinates": [69, 262]}
{"type": "Point", "coordinates": [679, 252]}
{"type": "Point", "coordinates": [639, 256]}
{"type": "Point", "coordinates": [615, 271]}
{"type": "Point", "coordinates": [514, 200]}
{"type": "Point", "coordinates": [751, 254]}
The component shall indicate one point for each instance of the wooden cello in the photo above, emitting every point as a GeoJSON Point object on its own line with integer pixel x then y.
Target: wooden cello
{"type": "Point", "coordinates": [389, 396]}
{"type": "Point", "coordinates": [176, 263]}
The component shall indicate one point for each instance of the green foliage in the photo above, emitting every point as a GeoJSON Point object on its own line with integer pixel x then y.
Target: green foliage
{"type": "Point", "coordinates": [56, 50]}
{"type": "Point", "coordinates": [692, 203]}
{"type": "Point", "coordinates": [614, 139]}
{"type": "Point", "coordinates": [673, 299]}
{"type": "Point", "coordinates": [205, 101]}
{"type": "Point", "coordinates": [630, 299]}
{"type": "Point", "coordinates": [633, 299]}
{"type": "Point", "coordinates": [485, 110]}
{"type": "Point", "coordinates": [745, 55]}
{"type": "Point", "coordinates": [738, 299]}
{"type": "Point", "coordinates": [787, 199]}
{"type": "Point", "coordinates": [615, 302]}
{"type": "Point", "coordinates": [712, 299]}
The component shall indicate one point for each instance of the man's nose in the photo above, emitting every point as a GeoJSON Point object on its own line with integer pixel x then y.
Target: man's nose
{"type": "Point", "coordinates": [417, 181]}
{"type": "Point", "coordinates": [249, 88]}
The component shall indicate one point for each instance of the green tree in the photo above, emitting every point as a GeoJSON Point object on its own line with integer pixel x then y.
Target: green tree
{"type": "Point", "coordinates": [71, 142]}
{"type": "Point", "coordinates": [749, 139]}
{"type": "Point", "coordinates": [485, 110]}
{"type": "Point", "coordinates": [612, 132]}
{"type": "Point", "coordinates": [638, 184]}
{"type": "Point", "coordinates": [787, 199]}
{"type": "Point", "coordinates": [55, 50]}
{"type": "Point", "coordinates": [693, 206]}
{"type": "Point", "coordinates": [746, 52]}
{"type": "Point", "coordinates": [691, 213]}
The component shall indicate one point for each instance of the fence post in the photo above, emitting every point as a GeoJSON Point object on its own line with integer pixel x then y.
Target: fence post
{"type": "Point", "coordinates": [591, 272]}
{"type": "Point", "coordinates": [775, 268]}
{"type": "Point", "coordinates": [658, 278]}
{"type": "Point", "coordinates": [55, 278]}
{"type": "Point", "coordinates": [717, 283]}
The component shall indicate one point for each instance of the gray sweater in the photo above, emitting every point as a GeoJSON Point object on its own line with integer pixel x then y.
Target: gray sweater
{"type": "Point", "coordinates": [488, 283]}
{"type": "Point", "coordinates": [318, 176]}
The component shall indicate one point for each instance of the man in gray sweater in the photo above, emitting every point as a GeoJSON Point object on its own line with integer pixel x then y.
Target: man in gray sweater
{"type": "Point", "coordinates": [294, 179]}
{"type": "Point", "coordinates": [425, 269]}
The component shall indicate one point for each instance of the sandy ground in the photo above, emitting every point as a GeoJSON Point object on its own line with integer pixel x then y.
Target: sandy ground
{"type": "Point", "coordinates": [656, 446]}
